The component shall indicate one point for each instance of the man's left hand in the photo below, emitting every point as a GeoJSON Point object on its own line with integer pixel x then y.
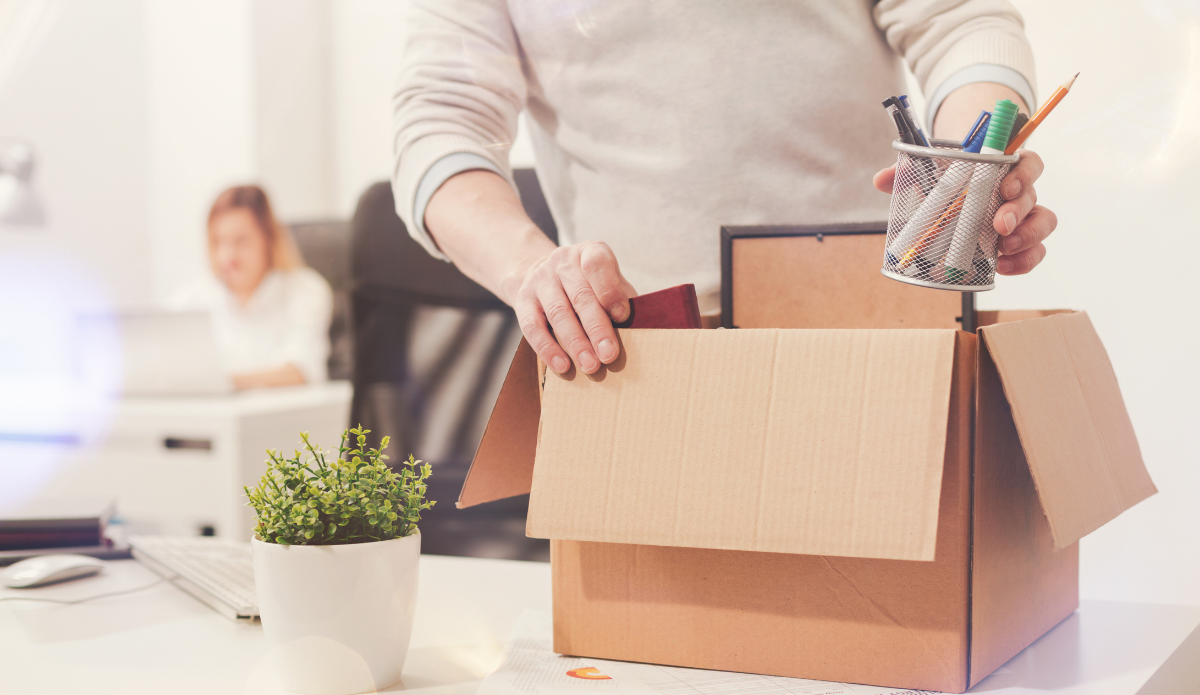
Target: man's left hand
{"type": "Point", "coordinates": [1021, 223]}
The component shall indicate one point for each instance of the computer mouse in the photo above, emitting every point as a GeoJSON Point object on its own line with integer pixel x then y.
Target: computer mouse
{"type": "Point", "coordinates": [48, 569]}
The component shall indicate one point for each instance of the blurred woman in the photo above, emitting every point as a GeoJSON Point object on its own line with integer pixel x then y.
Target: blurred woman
{"type": "Point", "coordinates": [270, 312]}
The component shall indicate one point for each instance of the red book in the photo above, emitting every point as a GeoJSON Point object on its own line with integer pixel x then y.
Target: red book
{"type": "Point", "coordinates": [674, 307]}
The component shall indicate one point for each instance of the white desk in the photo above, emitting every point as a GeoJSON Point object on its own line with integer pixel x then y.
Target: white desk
{"type": "Point", "coordinates": [163, 641]}
{"type": "Point", "coordinates": [176, 489]}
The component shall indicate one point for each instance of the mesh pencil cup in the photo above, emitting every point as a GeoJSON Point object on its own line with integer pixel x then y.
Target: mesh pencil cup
{"type": "Point", "coordinates": [940, 231]}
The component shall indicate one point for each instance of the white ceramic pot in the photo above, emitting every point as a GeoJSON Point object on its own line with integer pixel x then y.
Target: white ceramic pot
{"type": "Point", "coordinates": [338, 617]}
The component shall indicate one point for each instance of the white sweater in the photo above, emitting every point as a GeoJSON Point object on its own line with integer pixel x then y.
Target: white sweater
{"type": "Point", "coordinates": [286, 321]}
{"type": "Point", "coordinates": [655, 123]}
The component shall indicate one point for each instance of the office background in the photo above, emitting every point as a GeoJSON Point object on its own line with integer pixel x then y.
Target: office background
{"type": "Point", "coordinates": [140, 111]}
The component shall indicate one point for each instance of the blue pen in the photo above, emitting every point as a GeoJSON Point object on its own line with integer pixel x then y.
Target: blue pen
{"type": "Point", "coordinates": [912, 116]}
{"type": "Point", "coordinates": [976, 144]}
{"type": "Point", "coordinates": [974, 140]}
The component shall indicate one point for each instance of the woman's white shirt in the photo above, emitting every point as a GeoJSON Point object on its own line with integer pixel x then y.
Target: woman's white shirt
{"type": "Point", "coordinates": [285, 322]}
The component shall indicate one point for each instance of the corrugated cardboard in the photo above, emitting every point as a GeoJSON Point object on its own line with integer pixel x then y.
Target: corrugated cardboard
{"type": "Point", "coordinates": [1021, 586]}
{"type": "Point", "coordinates": [886, 622]}
{"type": "Point", "coordinates": [1074, 429]}
{"type": "Point", "coordinates": [816, 442]}
{"type": "Point", "coordinates": [665, 478]}
{"type": "Point", "coordinates": [503, 464]}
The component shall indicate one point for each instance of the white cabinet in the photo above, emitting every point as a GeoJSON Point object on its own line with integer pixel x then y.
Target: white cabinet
{"type": "Point", "coordinates": [178, 464]}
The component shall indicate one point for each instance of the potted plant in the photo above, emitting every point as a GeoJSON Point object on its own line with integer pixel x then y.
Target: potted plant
{"type": "Point", "coordinates": [336, 549]}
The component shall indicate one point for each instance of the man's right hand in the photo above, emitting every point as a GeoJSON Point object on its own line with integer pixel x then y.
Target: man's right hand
{"type": "Point", "coordinates": [564, 296]}
{"type": "Point", "coordinates": [566, 303]}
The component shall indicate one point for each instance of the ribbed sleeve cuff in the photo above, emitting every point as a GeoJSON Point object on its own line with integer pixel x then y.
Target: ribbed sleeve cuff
{"type": "Point", "coordinates": [994, 47]}
{"type": "Point", "coordinates": [422, 160]}
{"type": "Point", "coordinates": [998, 74]}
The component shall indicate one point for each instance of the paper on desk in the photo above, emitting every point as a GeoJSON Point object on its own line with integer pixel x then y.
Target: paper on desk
{"type": "Point", "coordinates": [532, 668]}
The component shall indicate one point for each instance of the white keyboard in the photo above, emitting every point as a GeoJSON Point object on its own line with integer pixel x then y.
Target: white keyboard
{"type": "Point", "coordinates": [218, 572]}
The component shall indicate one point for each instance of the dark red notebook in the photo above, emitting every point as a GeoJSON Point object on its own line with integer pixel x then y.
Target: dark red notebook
{"type": "Point", "coordinates": [674, 307]}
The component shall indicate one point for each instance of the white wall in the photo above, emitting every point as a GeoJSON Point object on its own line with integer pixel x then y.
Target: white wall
{"type": "Point", "coordinates": [368, 41]}
{"type": "Point", "coordinates": [71, 83]}
{"type": "Point", "coordinates": [294, 106]}
{"type": "Point", "coordinates": [199, 62]}
{"type": "Point", "coordinates": [1121, 155]}
{"type": "Point", "coordinates": [239, 93]}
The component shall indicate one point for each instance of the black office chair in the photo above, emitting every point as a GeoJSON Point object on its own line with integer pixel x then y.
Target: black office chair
{"type": "Point", "coordinates": [431, 350]}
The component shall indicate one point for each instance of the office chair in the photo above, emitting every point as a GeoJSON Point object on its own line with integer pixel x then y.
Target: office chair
{"type": "Point", "coordinates": [431, 351]}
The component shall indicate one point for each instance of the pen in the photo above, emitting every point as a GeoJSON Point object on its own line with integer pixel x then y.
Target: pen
{"type": "Point", "coordinates": [916, 122]}
{"type": "Point", "coordinates": [1018, 124]}
{"type": "Point", "coordinates": [1040, 116]}
{"type": "Point", "coordinates": [974, 139]}
{"type": "Point", "coordinates": [926, 246]}
{"type": "Point", "coordinates": [901, 126]}
{"type": "Point", "coordinates": [976, 143]}
{"type": "Point", "coordinates": [925, 168]}
{"type": "Point", "coordinates": [941, 195]}
{"type": "Point", "coordinates": [979, 192]}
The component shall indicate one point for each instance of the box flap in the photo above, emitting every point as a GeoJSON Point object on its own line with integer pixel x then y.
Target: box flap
{"type": "Point", "coordinates": [1078, 439]}
{"type": "Point", "coordinates": [826, 442]}
{"type": "Point", "coordinates": [503, 463]}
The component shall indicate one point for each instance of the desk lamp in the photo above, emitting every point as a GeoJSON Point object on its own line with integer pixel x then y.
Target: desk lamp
{"type": "Point", "coordinates": [19, 204]}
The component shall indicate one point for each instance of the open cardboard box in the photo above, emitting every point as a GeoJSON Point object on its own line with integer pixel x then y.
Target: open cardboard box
{"type": "Point", "coordinates": [891, 507]}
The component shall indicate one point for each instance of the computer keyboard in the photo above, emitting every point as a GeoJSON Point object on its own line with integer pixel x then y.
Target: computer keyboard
{"type": "Point", "coordinates": [218, 572]}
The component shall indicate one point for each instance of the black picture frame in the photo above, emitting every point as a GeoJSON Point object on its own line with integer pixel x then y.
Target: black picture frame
{"type": "Point", "coordinates": [728, 233]}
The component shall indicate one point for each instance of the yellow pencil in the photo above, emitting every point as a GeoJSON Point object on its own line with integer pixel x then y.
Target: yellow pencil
{"type": "Point", "coordinates": [1040, 116]}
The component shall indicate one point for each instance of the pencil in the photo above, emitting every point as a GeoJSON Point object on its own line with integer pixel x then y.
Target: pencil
{"type": "Point", "coordinates": [1040, 116]}
{"type": "Point", "coordinates": [934, 230]}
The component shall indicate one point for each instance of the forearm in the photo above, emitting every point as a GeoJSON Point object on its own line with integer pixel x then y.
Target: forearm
{"type": "Point", "coordinates": [962, 106]}
{"type": "Point", "coordinates": [477, 220]}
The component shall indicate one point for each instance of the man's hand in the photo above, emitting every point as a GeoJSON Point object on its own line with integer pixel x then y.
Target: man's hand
{"type": "Point", "coordinates": [564, 296]}
{"type": "Point", "coordinates": [1021, 223]}
{"type": "Point", "coordinates": [576, 292]}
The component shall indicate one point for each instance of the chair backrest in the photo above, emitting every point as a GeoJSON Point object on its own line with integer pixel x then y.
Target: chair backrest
{"type": "Point", "coordinates": [325, 247]}
{"type": "Point", "coordinates": [419, 370]}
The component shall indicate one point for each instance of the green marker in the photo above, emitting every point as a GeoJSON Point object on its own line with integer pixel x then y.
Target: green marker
{"type": "Point", "coordinates": [979, 193]}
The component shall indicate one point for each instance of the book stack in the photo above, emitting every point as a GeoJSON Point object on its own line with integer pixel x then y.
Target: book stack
{"type": "Point", "coordinates": [59, 526]}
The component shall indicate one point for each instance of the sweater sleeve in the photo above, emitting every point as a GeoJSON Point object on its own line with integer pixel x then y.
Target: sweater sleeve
{"type": "Point", "coordinates": [944, 40]}
{"type": "Point", "coordinates": [459, 90]}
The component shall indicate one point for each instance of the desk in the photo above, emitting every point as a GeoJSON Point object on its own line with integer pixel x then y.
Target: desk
{"type": "Point", "coordinates": [175, 464]}
{"type": "Point", "coordinates": [163, 641]}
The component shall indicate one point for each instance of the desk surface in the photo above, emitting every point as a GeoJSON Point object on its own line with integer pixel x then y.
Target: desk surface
{"type": "Point", "coordinates": [163, 641]}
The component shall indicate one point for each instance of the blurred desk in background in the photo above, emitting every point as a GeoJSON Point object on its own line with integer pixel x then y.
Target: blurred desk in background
{"type": "Point", "coordinates": [176, 465]}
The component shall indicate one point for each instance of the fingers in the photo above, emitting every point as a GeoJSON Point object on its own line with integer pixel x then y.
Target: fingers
{"type": "Point", "coordinates": [532, 320]}
{"type": "Point", "coordinates": [1031, 232]}
{"type": "Point", "coordinates": [1022, 176]}
{"type": "Point", "coordinates": [885, 179]}
{"type": "Point", "coordinates": [1012, 213]}
{"type": "Point", "coordinates": [566, 303]}
{"type": "Point", "coordinates": [603, 274]}
{"type": "Point", "coordinates": [589, 294]}
{"type": "Point", "coordinates": [1021, 263]}
{"type": "Point", "coordinates": [566, 326]}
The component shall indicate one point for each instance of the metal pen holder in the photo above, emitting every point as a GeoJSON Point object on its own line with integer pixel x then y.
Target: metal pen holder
{"type": "Point", "coordinates": [940, 231]}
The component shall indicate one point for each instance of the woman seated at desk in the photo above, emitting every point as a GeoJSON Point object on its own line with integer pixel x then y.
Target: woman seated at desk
{"type": "Point", "coordinates": [271, 313]}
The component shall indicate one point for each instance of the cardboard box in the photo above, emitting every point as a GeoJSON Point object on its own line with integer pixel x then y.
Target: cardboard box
{"type": "Point", "coordinates": [891, 507]}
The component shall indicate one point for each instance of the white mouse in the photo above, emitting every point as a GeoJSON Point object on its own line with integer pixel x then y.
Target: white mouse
{"type": "Point", "coordinates": [46, 569]}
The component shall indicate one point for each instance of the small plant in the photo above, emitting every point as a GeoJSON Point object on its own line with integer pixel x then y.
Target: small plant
{"type": "Point", "coordinates": [355, 498]}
